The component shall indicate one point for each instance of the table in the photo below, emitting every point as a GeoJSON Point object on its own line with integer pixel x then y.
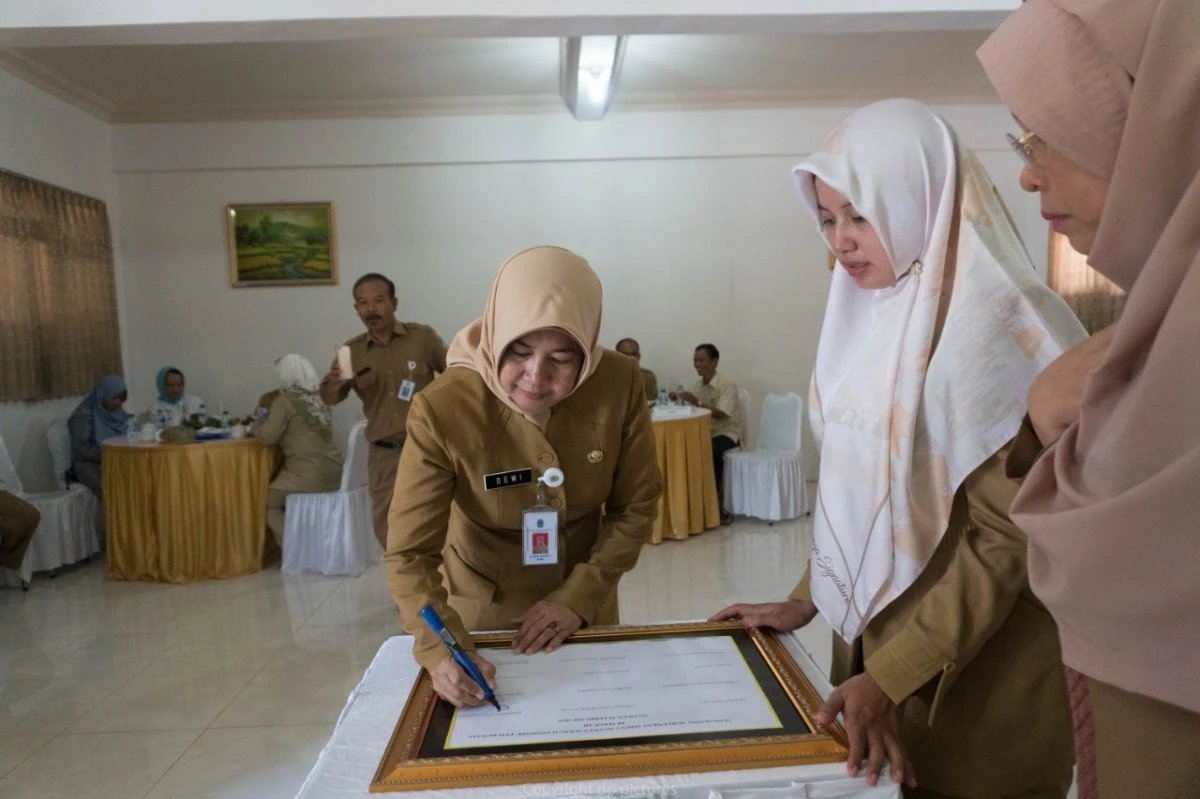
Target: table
{"type": "Point", "coordinates": [178, 513]}
{"type": "Point", "coordinates": [689, 500]}
{"type": "Point", "coordinates": [347, 763]}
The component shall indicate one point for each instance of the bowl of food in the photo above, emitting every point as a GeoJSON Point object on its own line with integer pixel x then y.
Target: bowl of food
{"type": "Point", "coordinates": [211, 434]}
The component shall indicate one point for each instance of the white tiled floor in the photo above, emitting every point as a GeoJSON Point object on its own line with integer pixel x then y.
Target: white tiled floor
{"type": "Point", "coordinates": [230, 689]}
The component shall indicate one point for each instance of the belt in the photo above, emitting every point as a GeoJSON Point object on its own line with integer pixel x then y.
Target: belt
{"type": "Point", "coordinates": [389, 444]}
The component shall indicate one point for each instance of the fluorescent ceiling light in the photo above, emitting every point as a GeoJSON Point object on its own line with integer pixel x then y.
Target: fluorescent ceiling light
{"type": "Point", "coordinates": [588, 70]}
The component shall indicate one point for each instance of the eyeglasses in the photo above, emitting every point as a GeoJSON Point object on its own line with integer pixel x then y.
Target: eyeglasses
{"type": "Point", "coordinates": [1030, 147]}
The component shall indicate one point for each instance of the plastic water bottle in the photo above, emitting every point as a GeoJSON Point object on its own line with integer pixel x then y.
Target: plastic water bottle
{"type": "Point", "coordinates": [679, 394]}
{"type": "Point", "coordinates": [226, 421]}
{"type": "Point", "coordinates": [131, 430]}
{"type": "Point", "coordinates": [664, 397]}
{"type": "Point", "coordinates": [160, 419]}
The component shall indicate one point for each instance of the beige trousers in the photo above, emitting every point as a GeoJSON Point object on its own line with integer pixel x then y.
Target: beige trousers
{"type": "Point", "coordinates": [381, 477]}
{"type": "Point", "coordinates": [276, 502]}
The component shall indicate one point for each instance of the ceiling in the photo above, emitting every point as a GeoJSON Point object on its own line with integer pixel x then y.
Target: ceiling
{"type": "Point", "coordinates": [422, 75]}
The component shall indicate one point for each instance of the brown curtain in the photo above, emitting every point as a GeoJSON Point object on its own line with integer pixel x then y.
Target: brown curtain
{"type": "Point", "coordinates": [1095, 299]}
{"type": "Point", "coordinates": [58, 297]}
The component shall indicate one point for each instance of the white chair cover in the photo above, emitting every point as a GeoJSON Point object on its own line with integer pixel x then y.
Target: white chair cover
{"type": "Point", "coordinates": [354, 474]}
{"type": "Point", "coordinates": [744, 417]}
{"type": "Point", "coordinates": [768, 482]}
{"type": "Point", "coordinates": [67, 533]}
{"type": "Point", "coordinates": [332, 533]}
{"type": "Point", "coordinates": [59, 439]}
{"type": "Point", "coordinates": [10, 481]}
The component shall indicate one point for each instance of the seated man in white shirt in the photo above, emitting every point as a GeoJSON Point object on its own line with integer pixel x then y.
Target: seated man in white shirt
{"type": "Point", "coordinates": [718, 394]}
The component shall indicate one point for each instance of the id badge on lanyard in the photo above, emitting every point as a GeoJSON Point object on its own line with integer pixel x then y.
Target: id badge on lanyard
{"type": "Point", "coordinates": [539, 525]}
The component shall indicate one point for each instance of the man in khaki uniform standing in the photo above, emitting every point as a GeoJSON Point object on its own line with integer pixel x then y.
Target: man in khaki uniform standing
{"type": "Point", "coordinates": [391, 362]}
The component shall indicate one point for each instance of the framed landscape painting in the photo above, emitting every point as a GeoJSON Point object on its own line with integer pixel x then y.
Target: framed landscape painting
{"type": "Point", "coordinates": [282, 244]}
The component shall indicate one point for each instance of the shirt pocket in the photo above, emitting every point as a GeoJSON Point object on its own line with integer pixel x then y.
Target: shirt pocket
{"type": "Point", "coordinates": [419, 371]}
{"type": "Point", "coordinates": [470, 576]}
{"type": "Point", "coordinates": [367, 379]}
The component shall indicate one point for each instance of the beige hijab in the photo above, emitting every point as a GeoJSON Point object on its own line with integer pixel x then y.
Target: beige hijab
{"type": "Point", "coordinates": [1113, 508]}
{"type": "Point", "coordinates": [535, 289]}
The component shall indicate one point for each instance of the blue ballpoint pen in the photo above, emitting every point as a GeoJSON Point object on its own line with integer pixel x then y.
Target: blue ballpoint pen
{"type": "Point", "coordinates": [438, 626]}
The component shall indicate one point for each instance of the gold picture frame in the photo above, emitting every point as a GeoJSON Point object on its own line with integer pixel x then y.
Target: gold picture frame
{"type": "Point", "coordinates": [414, 760]}
{"type": "Point", "coordinates": [281, 244]}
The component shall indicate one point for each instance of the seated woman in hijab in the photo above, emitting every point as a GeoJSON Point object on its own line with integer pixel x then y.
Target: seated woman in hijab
{"type": "Point", "coordinates": [302, 427]}
{"type": "Point", "coordinates": [936, 326]}
{"type": "Point", "coordinates": [531, 412]}
{"type": "Point", "coordinates": [173, 404]}
{"type": "Point", "coordinates": [99, 417]}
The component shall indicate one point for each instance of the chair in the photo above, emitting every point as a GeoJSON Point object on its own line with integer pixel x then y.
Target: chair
{"type": "Point", "coordinates": [68, 532]}
{"type": "Point", "coordinates": [768, 482]}
{"type": "Point", "coordinates": [58, 438]}
{"type": "Point", "coordinates": [333, 533]}
{"type": "Point", "coordinates": [743, 416]}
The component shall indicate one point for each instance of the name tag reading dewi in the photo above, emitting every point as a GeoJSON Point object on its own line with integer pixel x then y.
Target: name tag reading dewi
{"type": "Point", "coordinates": [516, 477]}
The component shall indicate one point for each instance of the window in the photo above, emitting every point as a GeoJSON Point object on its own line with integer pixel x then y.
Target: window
{"type": "Point", "coordinates": [58, 299]}
{"type": "Point", "coordinates": [1095, 299]}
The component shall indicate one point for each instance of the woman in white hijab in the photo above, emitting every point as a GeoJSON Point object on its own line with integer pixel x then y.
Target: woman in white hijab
{"type": "Point", "coordinates": [301, 425]}
{"type": "Point", "coordinates": [935, 328]}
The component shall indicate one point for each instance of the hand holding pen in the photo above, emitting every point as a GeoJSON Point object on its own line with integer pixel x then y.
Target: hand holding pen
{"type": "Point", "coordinates": [465, 679]}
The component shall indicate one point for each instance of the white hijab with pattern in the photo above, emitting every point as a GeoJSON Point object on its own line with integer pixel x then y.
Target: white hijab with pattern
{"type": "Point", "coordinates": [904, 412]}
{"type": "Point", "coordinates": [299, 384]}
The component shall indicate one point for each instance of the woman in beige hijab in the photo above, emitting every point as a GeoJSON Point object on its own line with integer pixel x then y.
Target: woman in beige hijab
{"type": "Point", "coordinates": [1108, 93]}
{"type": "Point", "coordinates": [528, 394]}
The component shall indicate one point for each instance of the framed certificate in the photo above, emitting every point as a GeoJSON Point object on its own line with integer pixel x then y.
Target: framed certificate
{"type": "Point", "coordinates": [616, 702]}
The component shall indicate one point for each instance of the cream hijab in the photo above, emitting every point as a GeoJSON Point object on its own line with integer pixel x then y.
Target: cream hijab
{"type": "Point", "coordinates": [1112, 509]}
{"type": "Point", "coordinates": [298, 382]}
{"type": "Point", "coordinates": [904, 412]}
{"type": "Point", "coordinates": [535, 289]}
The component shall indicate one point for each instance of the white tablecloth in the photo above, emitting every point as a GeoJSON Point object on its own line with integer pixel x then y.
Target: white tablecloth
{"type": "Point", "coordinates": [348, 762]}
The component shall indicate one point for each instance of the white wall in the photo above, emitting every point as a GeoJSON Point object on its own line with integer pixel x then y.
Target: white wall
{"type": "Point", "coordinates": [688, 217]}
{"type": "Point", "coordinates": [45, 138]}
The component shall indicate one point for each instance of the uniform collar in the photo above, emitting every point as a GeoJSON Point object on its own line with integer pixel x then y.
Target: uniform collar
{"type": "Point", "coordinates": [398, 329]}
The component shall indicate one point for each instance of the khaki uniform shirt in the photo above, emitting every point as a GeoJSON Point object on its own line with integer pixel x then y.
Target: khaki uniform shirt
{"type": "Point", "coordinates": [311, 464]}
{"type": "Point", "coordinates": [721, 393]}
{"type": "Point", "coordinates": [651, 384]}
{"type": "Point", "coordinates": [458, 546]}
{"type": "Point", "coordinates": [975, 654]}
{"type": "Point", "coordinates": [415, 353]}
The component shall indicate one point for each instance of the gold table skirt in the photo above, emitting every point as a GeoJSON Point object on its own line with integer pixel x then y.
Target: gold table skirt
{"type": "Point", "coordinates": [689, 501]}
{"type": "Point", "coordinates": [188, 512]}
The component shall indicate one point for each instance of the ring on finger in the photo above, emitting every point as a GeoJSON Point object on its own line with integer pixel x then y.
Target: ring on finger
{"type": "Point", "coordinates": [552, 627]}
